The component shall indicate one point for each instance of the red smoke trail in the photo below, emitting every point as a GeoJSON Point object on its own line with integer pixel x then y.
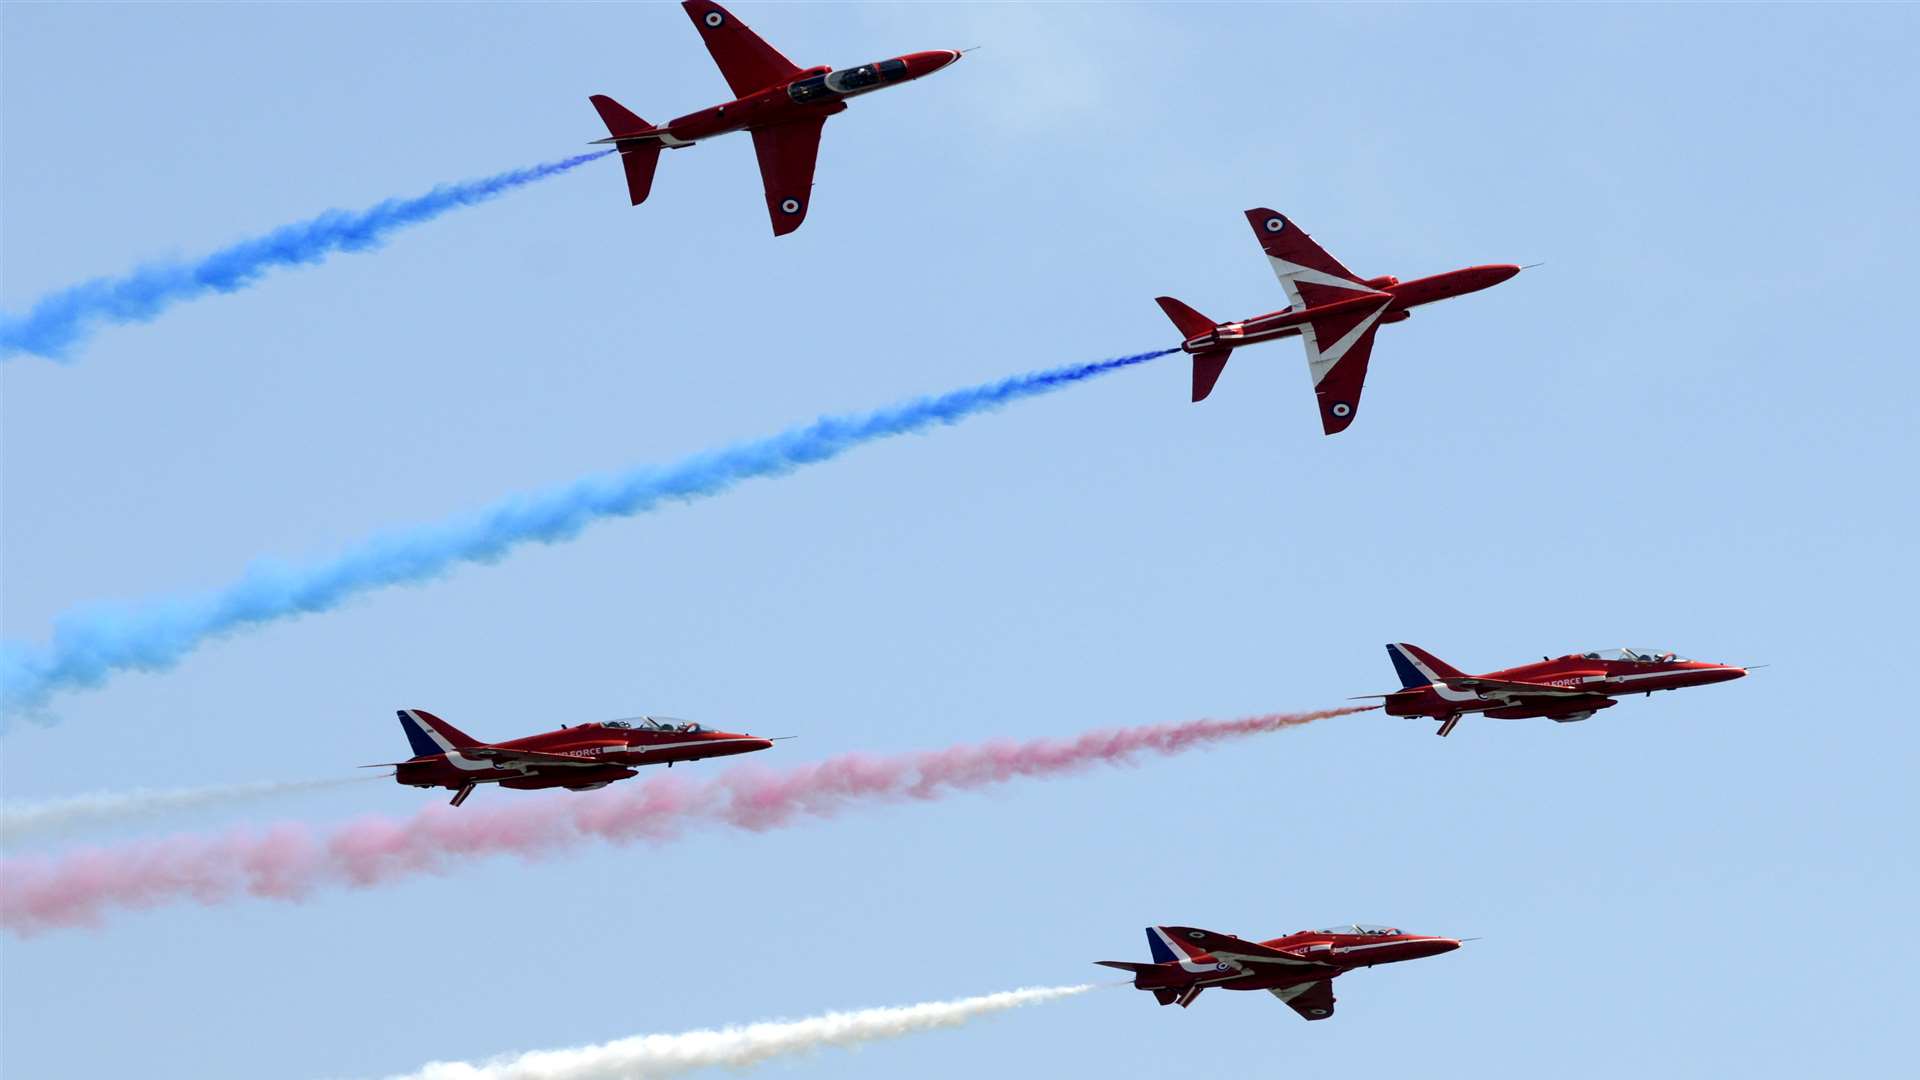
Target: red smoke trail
{"type": "Point", "coordinates": [290, 860]}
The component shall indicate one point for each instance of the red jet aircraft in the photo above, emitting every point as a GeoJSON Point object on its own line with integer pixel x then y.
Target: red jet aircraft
{"type": "Point", "coordinates": [1334, 312]}
{"type": "Point", "coordinates": [1299, 969]}
{"type": "Point", "coordinates": [579, 758]}
{"type": "Point", "coordinates": [1571, 688]}
{"type": "Point", "coordinates": [780, 104]}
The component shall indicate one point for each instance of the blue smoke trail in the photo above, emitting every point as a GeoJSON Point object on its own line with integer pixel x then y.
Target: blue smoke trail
{"type": "Point", "coordinates": [61, 320]}
{"type": "Point", "coordinates": [92, 643]}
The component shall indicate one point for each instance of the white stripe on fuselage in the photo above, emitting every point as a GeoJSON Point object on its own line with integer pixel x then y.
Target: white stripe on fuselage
{"type": "Point", "coordinates": [466, 764]}
{"type": "Point", "coordinates": [1642, 675]}
{"type": "Point", "coordinates": [1375, 945]}
{"type": "Point", "coordinates": [642, 749]}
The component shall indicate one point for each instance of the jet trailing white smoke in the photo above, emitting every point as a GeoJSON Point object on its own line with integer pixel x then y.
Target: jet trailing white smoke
{"type": "Point", "coordinates": [647, 1056]}
{"type": "Point", "coordinates": [53, 817]}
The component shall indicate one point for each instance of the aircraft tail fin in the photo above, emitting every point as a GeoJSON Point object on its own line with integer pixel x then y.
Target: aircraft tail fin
{"type": "Point", "coordinates": [1207, 365]}
{"type": "Point", "coordinates": [1190, 322]}
{"type": "Point", "coordinates": [1418, 667]}
{"type": "Point", "coordinates": [640, 157]}
{"type": "Point", "coordinates": [621, 124]}
{"type": "Point", "coordinates": [430, 735]}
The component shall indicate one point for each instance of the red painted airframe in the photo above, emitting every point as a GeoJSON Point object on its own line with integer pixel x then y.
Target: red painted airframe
{"type": "Point", "coordinates": [782, 106]}
{"type": "Point", "coordinates": [1299, 969]}
{"type": "Point", "coordinates": [1570, 688]}
{"type": "Point", "coordinates": [1334, 312]}
{"type": "Point", "coordinates": [579, 758]}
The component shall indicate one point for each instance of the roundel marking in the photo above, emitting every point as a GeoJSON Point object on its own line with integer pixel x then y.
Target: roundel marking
{"type": "Point", "coordinates": [789, 206]}
{"type": "Point", "coordinates": [1221, 966]}
{"type": "Point", "coordinates": [1318, 1012]}
{"type": "Point", "coordinates": [1341, 408]}
{"type": "Point", "coordinates": [1194, 934]}
{"type": "Point", "coordinates": [1276, 223]}
{"type": "Point", "coordinates": [714, 18]}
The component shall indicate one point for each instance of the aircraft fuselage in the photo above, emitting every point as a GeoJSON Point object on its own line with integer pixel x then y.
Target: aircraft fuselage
{"type": "Point", "coordinates": [1400, 297]}
{"type": "Point", "coordinates": [581, 757]}
{"type": "Point", "coordinates": [815, 93]}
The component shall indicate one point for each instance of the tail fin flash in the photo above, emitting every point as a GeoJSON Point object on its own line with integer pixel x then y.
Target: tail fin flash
{"type": "Point", "coordinates": [430, 735]}
{"type": "Point", "coordinates": [1168, 946]}
{"type": "Point", "coordinates": [1207, 365]}
{"type": "Point", "coordinates": [1418, 667]}
{"type": "Point", "coordinates": [1157, 944]}
{"type": "Point", "coordinates": [639, 159]}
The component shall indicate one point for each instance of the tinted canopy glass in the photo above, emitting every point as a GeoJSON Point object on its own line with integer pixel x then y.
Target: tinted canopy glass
{"type": "Point", "coordinates": [1644, 656]}
{"type": "Point", "coordinates": [849, 80]}
{"type": "Point", "coordinates": [653, 723]}
{"type": "Point", "coordinates": [813, 89]}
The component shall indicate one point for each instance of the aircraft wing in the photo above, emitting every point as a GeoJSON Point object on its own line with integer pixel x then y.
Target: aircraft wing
{"type": "Point", "coordinates": [1511, 688]}
{"type": "Point", "coordinates": [787, 154]}
{"type": "Point", "coordinates": [1310, 275]}
{"type": "Point", "coordinates": [1312, 1000]}
{"type": "Point", "coordinates": [1239, 954]}
{"type": "Point", "coordinates": [747, 63]}
{"type": "Point", "coordinates": [1338, 348]}
{"type": "Point", "coordinates": [501, 754]}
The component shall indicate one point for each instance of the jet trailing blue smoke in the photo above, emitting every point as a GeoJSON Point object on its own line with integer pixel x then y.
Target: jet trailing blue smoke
{"type": "Point", "coordinates": [58, 322]}
{"type": "Point", "coordinates": [93, 643]}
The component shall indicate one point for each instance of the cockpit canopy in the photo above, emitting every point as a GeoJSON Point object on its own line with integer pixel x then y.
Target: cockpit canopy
{"type": "Point", "coordinates": [652, 723]}
{"type": "Point", "coordinates": [1369, 929]}
{"type": "Point", "coordinates": [847, 81]}
{"type": "Point", "coordinates": [1641, 656]}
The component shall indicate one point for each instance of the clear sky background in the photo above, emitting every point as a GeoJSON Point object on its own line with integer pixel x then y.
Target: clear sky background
{"type": "Point", "coordinates": [1694, 428]}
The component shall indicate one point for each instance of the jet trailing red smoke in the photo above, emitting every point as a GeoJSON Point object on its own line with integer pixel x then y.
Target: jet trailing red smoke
{"type": "Point", "coordinates": [292, 860]}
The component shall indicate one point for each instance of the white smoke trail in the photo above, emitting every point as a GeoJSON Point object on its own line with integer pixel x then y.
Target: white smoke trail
{"type": "Point", "coordinates": [647, 1056]}
{"type": "Point", "coordinates": [52, 817]}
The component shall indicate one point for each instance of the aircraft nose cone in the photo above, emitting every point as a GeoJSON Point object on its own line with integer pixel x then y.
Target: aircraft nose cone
{"type": "Point", "coordinates": [926, 63]}
{"type": "Point", "coordinates": [1501, 272]}
{"type": "Point", "coordinates": [1422, 947]}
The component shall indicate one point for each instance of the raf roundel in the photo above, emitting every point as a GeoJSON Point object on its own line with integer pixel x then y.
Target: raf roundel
{"type": "Point", "coordinates": [1341, 408]}
{"type": "Point", "coordinates": [714, 18]}
{"type": "Point", "coordinates": [1276, 223]}
{"type": "Point", "coordinates": [1195, 934]}
{"type": "Point", "coordinates": [789, 206]}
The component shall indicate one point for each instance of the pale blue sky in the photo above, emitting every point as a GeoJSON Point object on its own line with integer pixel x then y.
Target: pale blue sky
{"type": "Point", "coordinates": [1694, 428]}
